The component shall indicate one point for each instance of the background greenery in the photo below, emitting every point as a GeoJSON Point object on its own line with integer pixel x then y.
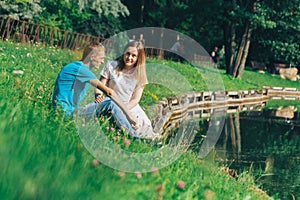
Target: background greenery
{"type": "Point", "coordinates": [275, 25]}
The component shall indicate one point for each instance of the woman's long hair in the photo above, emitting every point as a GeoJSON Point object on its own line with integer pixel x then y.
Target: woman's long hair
{"type": "Point", "coordinates": [140, 65]}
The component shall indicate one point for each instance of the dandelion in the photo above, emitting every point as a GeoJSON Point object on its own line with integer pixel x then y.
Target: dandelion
{"type": "Point", "coordinates": [126, 142]}
{"type": "Point", "coordinates": [123, 128]}
{"type": "Point", "coordinates": [154, 97]}
{"type": "Point", "coordinates": [180, 184]}
{"type": "Point", "coordinates": [138, 175]}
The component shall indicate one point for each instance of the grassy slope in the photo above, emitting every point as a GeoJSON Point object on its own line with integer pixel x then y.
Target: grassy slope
{"type": "Point", "coordinates": [41, 156]}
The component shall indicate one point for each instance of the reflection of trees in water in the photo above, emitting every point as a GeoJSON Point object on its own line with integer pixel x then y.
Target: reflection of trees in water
{"type": "Point", "coordinates": [232, 130]}
{"type": "Point", "coordinates": [268, 144]}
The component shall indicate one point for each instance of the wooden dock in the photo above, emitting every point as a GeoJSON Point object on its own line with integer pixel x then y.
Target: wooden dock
{"type": "Point", "coordinates": [170, 112]}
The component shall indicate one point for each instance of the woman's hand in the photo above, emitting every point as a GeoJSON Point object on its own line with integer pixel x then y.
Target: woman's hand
{"type": "Point", "coordinates": [109, 92]}
{"type": "Point", "coordinates": [133, 122]}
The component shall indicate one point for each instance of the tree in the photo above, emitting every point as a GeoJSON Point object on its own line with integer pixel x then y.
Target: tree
{"type": "Point", "coordinates": [239, 64]}
{"type": "Point", "coordinates": [277, 39]}
{"type": "Point", "coordinates": [95, 17]}
{"type": "Point", "coordinates": [276, 28]}
{"type": "Point", "coordinates": [273, 26]}
{"type": "Point", "coordinates": [20, 9]}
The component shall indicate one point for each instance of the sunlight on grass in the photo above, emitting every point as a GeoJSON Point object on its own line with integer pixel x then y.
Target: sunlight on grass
{"type": "Point", "coordinates": [42, 157]}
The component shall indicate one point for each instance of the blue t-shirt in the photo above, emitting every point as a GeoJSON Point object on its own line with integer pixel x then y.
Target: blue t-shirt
{"type": "Point", "coordinates": [71, 86]}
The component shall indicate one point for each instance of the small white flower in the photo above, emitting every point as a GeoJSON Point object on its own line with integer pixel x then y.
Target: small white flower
{"type": "Point", "coordinates": [18, 72]}
{"type": "Point", "coordinates": [28, 55]}
{"type": "Point", "coordinates": [13, 56]}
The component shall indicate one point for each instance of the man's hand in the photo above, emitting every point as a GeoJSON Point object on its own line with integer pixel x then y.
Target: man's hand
{"type": "Point", "coordinates": [99, 98]}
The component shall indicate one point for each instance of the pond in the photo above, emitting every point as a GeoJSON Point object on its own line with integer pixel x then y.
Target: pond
{"type": "Point", "coordinates": [265, 143]}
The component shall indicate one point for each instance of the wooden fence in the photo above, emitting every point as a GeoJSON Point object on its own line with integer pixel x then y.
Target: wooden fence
{"type": "Point", "coordinates": [31, 33]}
{"type": "Point", "coordinates": [26, 32]}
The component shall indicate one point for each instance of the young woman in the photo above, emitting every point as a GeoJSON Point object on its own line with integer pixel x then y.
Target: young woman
{"type": "Point", "coordinates": [127, 77]}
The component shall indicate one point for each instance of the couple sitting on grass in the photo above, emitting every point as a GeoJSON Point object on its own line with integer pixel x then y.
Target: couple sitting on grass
{"type": "Point", "coordinates": [121, 81]}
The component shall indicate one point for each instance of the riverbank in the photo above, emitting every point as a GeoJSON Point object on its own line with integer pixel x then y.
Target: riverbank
{"type": "Point", "coordinates": [43, 157]}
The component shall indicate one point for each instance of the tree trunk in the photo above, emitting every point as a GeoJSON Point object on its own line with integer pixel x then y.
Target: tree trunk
{"type": "Point", "coordinates": [246, 50]}
{"type": "Point", "coordinates": [227, 49]}
{"type": "Point", "coordinates": [240, 52]}
{"type": "Point", "coordinates": [244, 47]}
{"type": "Point", "coordinates": [232, 39]}
{"type": "Point", "coordinates": [232, 46]}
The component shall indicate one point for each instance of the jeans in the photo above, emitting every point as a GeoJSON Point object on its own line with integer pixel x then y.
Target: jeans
{"type": "Point", "coordinates": [107, 107]}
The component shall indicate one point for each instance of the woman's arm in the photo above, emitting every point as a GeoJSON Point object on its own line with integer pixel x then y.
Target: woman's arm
{"type": "Point", "coordinates": [136, 97]}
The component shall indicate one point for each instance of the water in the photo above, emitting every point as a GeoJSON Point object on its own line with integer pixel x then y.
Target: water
{"type": "Point", "coordinates": [266, 143]}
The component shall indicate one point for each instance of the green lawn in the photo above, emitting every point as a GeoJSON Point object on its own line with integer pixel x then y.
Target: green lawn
{"type": "Point", "coordinates": [42, 157]}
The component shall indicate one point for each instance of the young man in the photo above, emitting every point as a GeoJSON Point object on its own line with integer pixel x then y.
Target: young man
{"type": "Point", "coordinates": [72, 83]}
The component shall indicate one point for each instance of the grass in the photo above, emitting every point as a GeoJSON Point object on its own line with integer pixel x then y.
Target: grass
{"type": "Point", "coordinates": [42, 157]}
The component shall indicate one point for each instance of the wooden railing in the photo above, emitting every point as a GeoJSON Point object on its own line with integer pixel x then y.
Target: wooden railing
{"type": "Point", "coordinates": [27, 32]}
{"type": "Point", "coordinates": [171, 112]}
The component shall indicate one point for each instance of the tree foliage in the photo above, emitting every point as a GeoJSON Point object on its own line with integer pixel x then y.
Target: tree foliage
{"type": "Point", "coordinates": [95, 17]}
{"type": "Point", "coordinates": [20, 9]}
{"type": "Point", "coordinates": [278, 38]}
{"type": "Point", "coordinates": [266, 31]}
{"type": "Point", "coordinates": [260, 30]}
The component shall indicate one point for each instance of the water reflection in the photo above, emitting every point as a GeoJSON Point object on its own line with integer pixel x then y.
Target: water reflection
{"type": "Point", "coordinates": [267, 143]}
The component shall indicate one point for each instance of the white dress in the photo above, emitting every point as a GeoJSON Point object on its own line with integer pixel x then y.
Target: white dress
{"type": "Point", "coordinates": [124, 86]}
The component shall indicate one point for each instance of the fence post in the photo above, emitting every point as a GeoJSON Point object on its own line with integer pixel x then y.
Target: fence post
{"type": "Point", "coordinates": [6, 29]}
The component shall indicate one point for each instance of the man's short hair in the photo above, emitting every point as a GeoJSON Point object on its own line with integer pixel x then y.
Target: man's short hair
{"type": "Point", "coordinates": [92, 48]}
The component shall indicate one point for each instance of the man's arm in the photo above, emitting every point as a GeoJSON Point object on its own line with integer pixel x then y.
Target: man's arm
{"type": "Point", "coordinates": [110, 92]}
